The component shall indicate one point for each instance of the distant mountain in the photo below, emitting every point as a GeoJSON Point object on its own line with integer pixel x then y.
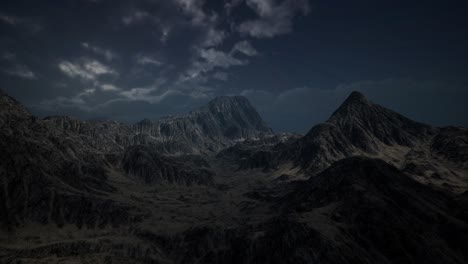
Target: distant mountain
{"type": "Point", "coordinates": [224, 121]}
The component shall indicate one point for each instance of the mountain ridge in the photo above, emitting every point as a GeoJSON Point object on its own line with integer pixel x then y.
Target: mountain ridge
{"type": "Point", "coordinates": [433, 155]}
{"type": "Point", "coordinates": [202, 130]}
{"type": "Point", "coordinates": [368, 186]}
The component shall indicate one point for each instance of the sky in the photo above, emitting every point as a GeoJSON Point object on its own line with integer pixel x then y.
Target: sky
{"type": "Point", "coordinates": [295, 60]}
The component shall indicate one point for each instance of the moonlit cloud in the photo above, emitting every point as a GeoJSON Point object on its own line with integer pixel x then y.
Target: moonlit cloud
{"type": "Point", "coordinates": [30, 25]}
{"type": "Point", "coordinates": [274, 18]}
{"type": "Point", "coordinates": [213, 37]}
{"type": "Point", "coordinates": [109, 55]}
{"type": "Point", "coordinates": [222, 76]}
{"type": "Point", "coordinates": [147, 59]}
{"type": "Point", "coordinates": [210, 59]}
{"type": "Point", "coordinates": [194, 8]}
{"type": "Point", "coordinates": [109, 87]}
{"type": "Point", "coordinates": [21, 72]}
{"type": "Point", "coordinates": [135, 17]}
{"type": "Point", "coordinates": [87, 70]}
{"type": "Point", "coordinates": [16, 68]}
{"type": "Point", "coordinates": [245, 47]}
{"type": "Point", "coordinates": [11, 20]}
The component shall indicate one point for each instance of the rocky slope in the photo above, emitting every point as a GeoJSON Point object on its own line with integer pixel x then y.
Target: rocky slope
{"type": "Point", "coordinates": [104, 136]}
{"type": "Point", "coordinates": [48, 176]}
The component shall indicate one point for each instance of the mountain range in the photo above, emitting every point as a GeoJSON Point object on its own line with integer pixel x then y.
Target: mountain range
{"type": "Point", "coordinates": [217, 185]}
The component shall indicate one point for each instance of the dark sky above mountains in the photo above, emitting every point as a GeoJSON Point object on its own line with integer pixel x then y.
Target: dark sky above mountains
{"type": "Point", "coordinates": [296, 60]}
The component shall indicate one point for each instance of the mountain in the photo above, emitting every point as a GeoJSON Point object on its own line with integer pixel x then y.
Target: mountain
{"type": "Point", "coordinates": [432, 155]}
{"type": "Point", "coordinates": [217, 186]}
{"type": "Point", "coordinates": [62, 162]}
{"type": "Point", "coordinates": [224, 121]}
{"type": "Point", "coordinates": [357, 127]}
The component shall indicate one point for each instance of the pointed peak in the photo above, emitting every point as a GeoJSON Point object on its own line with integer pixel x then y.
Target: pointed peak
{"type": "Point", "coordinates": [356, 97]}
{"type": "Point", "coordinates": [355, 101]}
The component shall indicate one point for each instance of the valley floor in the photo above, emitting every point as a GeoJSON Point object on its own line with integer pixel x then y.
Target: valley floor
{"type": "Point", "coordinates": [168, 210]}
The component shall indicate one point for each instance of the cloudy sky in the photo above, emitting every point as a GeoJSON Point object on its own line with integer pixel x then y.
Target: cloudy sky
{"type": "Point", "coordinates": [296, 60]}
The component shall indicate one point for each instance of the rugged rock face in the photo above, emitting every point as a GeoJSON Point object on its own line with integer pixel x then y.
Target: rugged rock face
{"type": "Point", "coordinates": [104, 136]}
{"type": "Point", "coordinates": [44, 173]}
{"type": "Point", "coordinates": [224, 121]}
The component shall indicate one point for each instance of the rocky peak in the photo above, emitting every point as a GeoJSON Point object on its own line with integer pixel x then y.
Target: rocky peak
{"type": "Point", "coordinates": [355, 105]}
{"type": "Point", "coordinates": [222, 122]}
{"type": "Point", "coordinates": [356, 97]}
{"type": "Point", "coordinates": [237, 111]}
{"type": "Point", "coordinates": [223, 103]}
{"type": "Point", "coordinates": [358, 115]}
{"type": "Point", "coordinates": [358, 126]}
